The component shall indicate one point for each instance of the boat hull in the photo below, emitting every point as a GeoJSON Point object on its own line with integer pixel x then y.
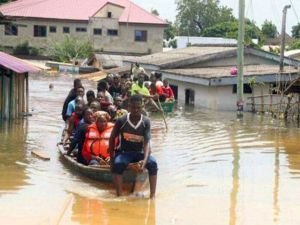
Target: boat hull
{"type": "Point", "coordinates": [102, 174]}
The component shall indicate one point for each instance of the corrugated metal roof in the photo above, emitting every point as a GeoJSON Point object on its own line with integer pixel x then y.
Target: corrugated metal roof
{"type": "Point", "coordinates": [176, 56]}
{"type": "Point", "coordinates": [76, 10]}
{"type": "Point", "coordinates": [15, 64]}
{"type": "Point", "coordinates": [222, 72]}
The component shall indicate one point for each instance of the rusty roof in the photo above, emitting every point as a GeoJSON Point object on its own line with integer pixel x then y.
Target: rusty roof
{"type": "Point", "coordinates": [15, 64]}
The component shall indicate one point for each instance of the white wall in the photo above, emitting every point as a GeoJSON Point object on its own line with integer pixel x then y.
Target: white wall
{"type": "Point", "coordinates": [218, 97]}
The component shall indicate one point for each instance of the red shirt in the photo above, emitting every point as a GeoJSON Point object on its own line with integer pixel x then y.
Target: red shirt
{"type": "Point", "coordinates": [168, 91]}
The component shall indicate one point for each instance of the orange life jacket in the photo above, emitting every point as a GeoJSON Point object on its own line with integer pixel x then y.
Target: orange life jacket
{"type": "Point", "coordinates": [96, 143]}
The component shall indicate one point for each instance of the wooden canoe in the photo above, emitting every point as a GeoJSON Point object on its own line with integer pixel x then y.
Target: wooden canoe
{"type": "Point", "coordinates": [100, 173]}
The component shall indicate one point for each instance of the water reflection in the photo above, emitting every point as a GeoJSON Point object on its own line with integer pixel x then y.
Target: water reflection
{"type": "Point", "coordinates": [213, 169]}
{"type": "Point", "coordinates": [103, 211]}
{"type": "Point", "coordinates": [12, 149]}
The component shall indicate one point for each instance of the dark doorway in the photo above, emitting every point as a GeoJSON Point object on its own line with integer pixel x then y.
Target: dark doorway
{"type": "Point", "coordinates": [175, 90]}
{"type": "Point", "coordinates": [189, 97]}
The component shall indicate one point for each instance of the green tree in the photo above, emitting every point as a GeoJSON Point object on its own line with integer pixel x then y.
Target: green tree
{"type": "Point", "coordinates": [69, 49]}
{"type": "Point", "coordinates": [296, 31]}
{"type": "Point", "coordinates": [170, 31]}
{"type": "Point", "coordinates": [154, 12]}
{"type": "Point", "coordinates": [196, 15]}
{"type": "Point", "coordinates": [230, 30]}
{"type": "Point", "coordinates": [295, 45]}
{"type": "Point", "coordinates": [269, 29]}
{"type": "Point", "coordinates": [4, 1]}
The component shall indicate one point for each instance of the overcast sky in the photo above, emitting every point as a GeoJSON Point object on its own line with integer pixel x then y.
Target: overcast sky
{"type": "Point", "coordinates": [257, 10]}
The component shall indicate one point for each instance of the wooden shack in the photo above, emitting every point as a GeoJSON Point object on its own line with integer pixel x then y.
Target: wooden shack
{"type": "Point", "coordinates": [14, 86]}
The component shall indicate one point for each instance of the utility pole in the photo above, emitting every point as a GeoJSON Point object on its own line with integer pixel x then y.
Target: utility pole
{"type": "Point", "coordinates": [240, 54]}
{"type": "Point", "coordinates": [283, 37]}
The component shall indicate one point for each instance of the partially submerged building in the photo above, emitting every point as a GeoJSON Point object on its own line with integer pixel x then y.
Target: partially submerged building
{"type": "Point", "coordinates": [14, 86]}
{"type": "Point", "coordinates": [117, 26]}
{"type": "Point", "coordinates": [201, 76]}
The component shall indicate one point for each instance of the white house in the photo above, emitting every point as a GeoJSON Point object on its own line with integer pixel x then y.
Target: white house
{"type": "Point", "coordinates": [201, 76]}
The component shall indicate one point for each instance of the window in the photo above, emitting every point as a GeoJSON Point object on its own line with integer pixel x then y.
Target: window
{"type": "Point", "coordinates": [39, 31]}
{"type": "Point", "coordinates": [140, 35]}
{"type": "Point", "coordinates": [11, 29]}
{"type": "Point", "coordinates": [80, 29]}
{"type": "Point", "coordinates": [97, 31]}
{"type": "Point", "coordinates": [109, 14]}
{"type": "Point", "coordinates": [247, 89]}
{"type": "Point", "coordinates": [52, 29]}
{"type": "Point", "coordinates": [66, 30]}
{"type": "Point", "coordinates": [111, 32]}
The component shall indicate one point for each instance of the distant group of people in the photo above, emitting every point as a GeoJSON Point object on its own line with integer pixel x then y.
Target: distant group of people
{"type": "Point", "coordinates": [110, 127]}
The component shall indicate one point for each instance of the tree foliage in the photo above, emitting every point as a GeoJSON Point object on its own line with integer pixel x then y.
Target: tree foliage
{"type": "Point", "coordinates": [3, 1]}
{"type": "Point", "coordinates": [170, 31]}
{"type": "Point", "coordinates": [196, 15]}
{"type": "Point", "coordinates": [230, 30]}
{"type": "Point", "coordinates": [154, 12]}
{"type": "Point", "coordinates": [295, 45]}
{"type": "Point", "coordinates": [269, 29]}
{"type": "Point", "coordinates": [70, 49]}
{"type": "Point", "coordinates": [296, 31]}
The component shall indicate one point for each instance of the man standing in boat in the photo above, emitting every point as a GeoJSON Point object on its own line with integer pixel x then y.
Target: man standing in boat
{"type": "Point", "coordinates": [134, 132]}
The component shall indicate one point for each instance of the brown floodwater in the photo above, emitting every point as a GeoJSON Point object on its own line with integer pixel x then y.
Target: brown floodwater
{"type": "Point", "coordinates": [213, 169]}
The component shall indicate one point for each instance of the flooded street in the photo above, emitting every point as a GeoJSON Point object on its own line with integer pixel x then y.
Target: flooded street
{"type": "Point", "coordinates": [213, 169]}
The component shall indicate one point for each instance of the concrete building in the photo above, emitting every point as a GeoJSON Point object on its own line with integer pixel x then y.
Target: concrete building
{"type": "Point", "coordinates": [117, 26]}
{"type": "Point", "coordinates": [201, 76]}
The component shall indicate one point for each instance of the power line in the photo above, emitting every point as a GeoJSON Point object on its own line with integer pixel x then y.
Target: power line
{"type": "Point", "coordinates": [295, 12]}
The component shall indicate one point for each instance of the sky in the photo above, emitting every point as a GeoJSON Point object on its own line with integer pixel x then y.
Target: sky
{"type": "Point", "coordinates": [257, 10]}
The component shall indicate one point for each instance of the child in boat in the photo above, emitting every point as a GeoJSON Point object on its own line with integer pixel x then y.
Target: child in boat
{"type": "Point", "coordinates": [167, 91]}
{"type": "Point", "coordinates": [134, 132]}
{"type": "Point", "coordinates": [96, 144]}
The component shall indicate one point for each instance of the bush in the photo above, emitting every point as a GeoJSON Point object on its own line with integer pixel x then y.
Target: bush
{"type": "Point", "coordinates": [22, 49]}
{"type": "Point", "coordinates": [70, 49]}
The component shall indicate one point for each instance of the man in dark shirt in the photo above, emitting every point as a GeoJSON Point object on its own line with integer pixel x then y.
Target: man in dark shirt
{"type": "Point", "coordinates": [71, 96]}
{"type": "Point", "coordinates": [116, 89]}
{"type": "Point", "coordinates": [134, 131]}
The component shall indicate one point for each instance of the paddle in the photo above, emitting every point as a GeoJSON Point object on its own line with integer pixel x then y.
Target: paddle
{"type": "Point", "coordinates": [163, 113]}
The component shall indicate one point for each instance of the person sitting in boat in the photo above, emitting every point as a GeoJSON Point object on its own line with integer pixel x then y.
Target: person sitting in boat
{"type": "Point", "coordinates": [73, 122]}
{"type": "Point", "coordinates": [157, 90]}
{"type": "Point", "coordinates": [71, 105]}
{"type": "Point", "coordinates": [116, 111]}
{"type": "Point", "coordinates": [167, 91]}
{"type": "Point", "coordinates": [71, 96]}
{"type": "Point", "coordinates": [102, 86]}
{"type": "Point", "coordinates": [95, 106]}
{"type": "Point", "coordinates": [134, 132]}
{"type": "Point", "coordinates": [115, 89]}
{"type": "Point", "coordinates": [103, 100]}
{"type": "Point", "coordinates": [90, 97]}
{"type": "Point", "coordinates": [140, 89]}
{"type": "Point", "coordinates": [79, 136]}
{"type": "Point", "coordinates": [136, 70]}
{"type": "Point", "coordinates": [96, 144]}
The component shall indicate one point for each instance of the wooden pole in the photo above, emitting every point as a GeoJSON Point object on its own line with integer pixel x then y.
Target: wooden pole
{"type": "Point", "coordinates": [27, 93]}
{"type": "Point", "coordinates": [283, 37]}
{"type": "Point", "coordinates": [240, 54]}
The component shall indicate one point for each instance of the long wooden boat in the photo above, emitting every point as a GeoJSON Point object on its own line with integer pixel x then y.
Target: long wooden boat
{"type": "Point", "coordinates": [100, 173]}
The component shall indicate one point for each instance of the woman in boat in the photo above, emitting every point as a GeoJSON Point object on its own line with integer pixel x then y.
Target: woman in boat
{"type": "Point", "coordinates": [95, 148]}
{"type": "Point", "coordinates": [79, 136]}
